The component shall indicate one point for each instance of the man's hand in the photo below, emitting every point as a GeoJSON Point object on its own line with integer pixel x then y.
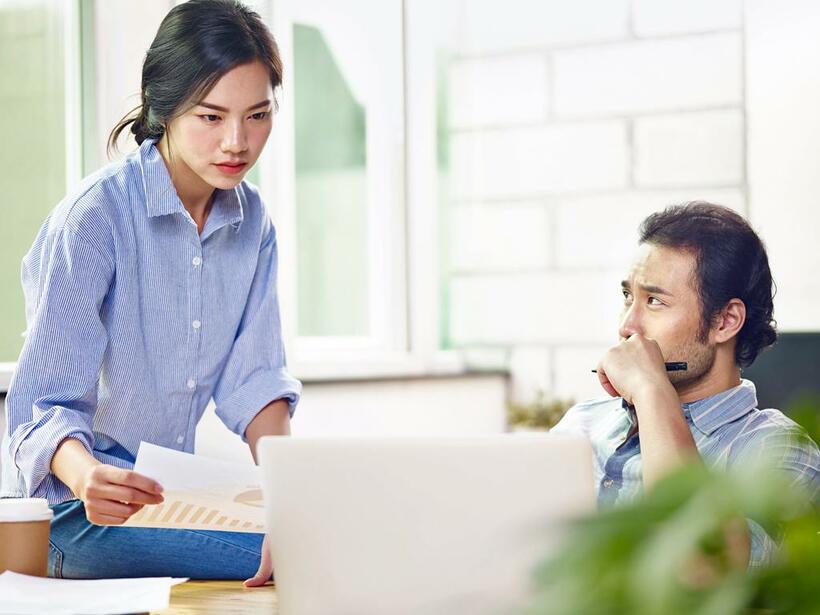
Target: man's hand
{"type": "Point", "coordinates": [111, 495]}
{"type": "Point", "coordinates": [632, 368]}
{"type": "Point", "coordinates": [263, 575]}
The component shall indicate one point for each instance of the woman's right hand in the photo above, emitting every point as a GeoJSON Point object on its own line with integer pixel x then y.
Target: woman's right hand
{"type": "Point", "coordinates": [111, 495]}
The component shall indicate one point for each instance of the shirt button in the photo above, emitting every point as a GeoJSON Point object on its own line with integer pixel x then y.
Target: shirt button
{"type": "Point", "coordinates": [608, 482]}
{"type": "Point", "coordinates": [197, 261]}
{"type": "Point", "coordinates": [180, 440]}
{"type": "Point", "coordinates": [191, 383]}
{"type": "Point", "coordinates": [196, 324]}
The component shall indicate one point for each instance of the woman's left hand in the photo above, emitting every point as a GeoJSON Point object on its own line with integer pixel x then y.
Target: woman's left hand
{"type": "Point", "coordinates": [263, 575]}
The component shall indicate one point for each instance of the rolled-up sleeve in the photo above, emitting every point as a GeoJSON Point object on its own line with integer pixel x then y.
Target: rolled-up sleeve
{"type": "Point", "coordinates": [53, 394]}
{"type": "Point", "coordinates": [255, 372]}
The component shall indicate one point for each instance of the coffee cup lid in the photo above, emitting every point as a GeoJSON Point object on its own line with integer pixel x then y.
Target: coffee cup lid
{"type": "Point", "coordinates": [24, 509]}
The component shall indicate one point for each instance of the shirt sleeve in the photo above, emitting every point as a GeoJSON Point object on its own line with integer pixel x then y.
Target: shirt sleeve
{"type": "Point", "coordinates": [255, 373]}
{"type": "Point", "coordinates": [53, 394]}
{"type": "Point", "coordinates": [763, 547]}
{"type": "Point", "coordinates": [791, 453]}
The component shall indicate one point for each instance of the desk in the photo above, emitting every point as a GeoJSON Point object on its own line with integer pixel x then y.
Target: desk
{"type": "Point", "coordinates": [222, 597]}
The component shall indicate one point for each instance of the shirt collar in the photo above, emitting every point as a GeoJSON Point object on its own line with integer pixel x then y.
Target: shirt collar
{"type": "Point", "coordinates": [714, 412]}
{"type": "Point", "coordinates": [161, 197]}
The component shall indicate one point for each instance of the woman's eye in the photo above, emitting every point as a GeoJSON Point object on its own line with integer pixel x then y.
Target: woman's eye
{"type": "Point", "coordinates": [210, 118]}
{"type": "Point", "coordinates": [261, 115]}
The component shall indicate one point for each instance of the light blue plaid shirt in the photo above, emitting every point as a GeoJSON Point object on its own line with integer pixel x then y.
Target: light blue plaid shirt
{"type": "Point", "coordinates": [728, 430]}
{"type": "Point", "coordinates": [136, 321]}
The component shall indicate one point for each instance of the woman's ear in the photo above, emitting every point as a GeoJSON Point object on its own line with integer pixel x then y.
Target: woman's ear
{"type": "Point", "coordinates": [730, 321]}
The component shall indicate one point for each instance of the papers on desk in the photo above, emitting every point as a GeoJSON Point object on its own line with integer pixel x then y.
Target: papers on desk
{"type": "Point", "coordinates": [200, 493]}
{"type": "Point", "coordinates": [25, 595]}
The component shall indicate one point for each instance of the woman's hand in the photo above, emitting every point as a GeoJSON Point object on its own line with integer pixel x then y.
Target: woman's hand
{"type": "Point", "coordinates": [265, 571]}
{"type": "Point", "coordinates": [111, 495]}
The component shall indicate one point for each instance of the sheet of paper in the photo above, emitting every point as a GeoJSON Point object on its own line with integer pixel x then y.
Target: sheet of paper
{"type": "Point", "coordinates": [26, 595]}
{"type": "Point", "coordinates": [200, 493]}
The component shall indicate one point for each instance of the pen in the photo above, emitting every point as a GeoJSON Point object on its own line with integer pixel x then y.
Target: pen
{"type": "Point", "coordinates": [674, 366]}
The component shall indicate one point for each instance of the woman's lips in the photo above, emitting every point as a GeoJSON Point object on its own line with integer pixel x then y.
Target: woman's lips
{"type": "Point", "coordinates": [231, 168]}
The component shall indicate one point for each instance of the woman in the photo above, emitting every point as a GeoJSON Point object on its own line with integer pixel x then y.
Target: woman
{"type": "Point", "coordinates": [149, 291]}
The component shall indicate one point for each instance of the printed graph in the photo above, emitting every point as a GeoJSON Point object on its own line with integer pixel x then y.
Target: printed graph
{"type": "Point", "coordinates": [178, 514]}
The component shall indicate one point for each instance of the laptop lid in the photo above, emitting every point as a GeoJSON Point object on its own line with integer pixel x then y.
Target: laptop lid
{"type": "Point", "coordinates": [417, 525]}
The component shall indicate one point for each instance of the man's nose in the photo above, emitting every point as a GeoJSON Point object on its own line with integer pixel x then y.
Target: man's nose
{"type": "Point", "coordinates": [630, 322]}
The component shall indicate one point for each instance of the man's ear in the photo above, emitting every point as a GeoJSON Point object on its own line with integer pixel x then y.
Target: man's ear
{"type": "Point", "coordinates": [729, 321]}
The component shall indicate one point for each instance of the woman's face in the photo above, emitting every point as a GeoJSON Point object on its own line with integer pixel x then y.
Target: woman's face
{"type": "Point", "coordinates": [214, 143]}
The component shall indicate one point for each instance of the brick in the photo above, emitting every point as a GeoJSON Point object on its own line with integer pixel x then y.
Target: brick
{"type": "Point", "coordinates": [485, 26]}
{"type": "Point", "coordinates": [602, 231]}
{"type": "Point", "coordinates": [499, 237]}
{"type": "Point", "coordinates": [649, 76]}
{"type": "Point", "coordinates": [691, 149]}
{"type": "Point", "coordinates": [497, 91]}
{"type": "Point", "coordinates": [660, 17]}
{"type": "Point", "coordinates": [535, 308]}
{"type": "Point", "coordinates": [531, 162]}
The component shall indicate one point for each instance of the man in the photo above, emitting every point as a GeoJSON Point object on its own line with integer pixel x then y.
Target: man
{"type": "Point", "coordinates": [700, 292]}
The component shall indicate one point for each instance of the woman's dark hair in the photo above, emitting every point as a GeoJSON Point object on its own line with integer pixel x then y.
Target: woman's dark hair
{"type": "Point", "coordinates": [196, 44]}
{"type": "Point", "coordinates": [730, 263]}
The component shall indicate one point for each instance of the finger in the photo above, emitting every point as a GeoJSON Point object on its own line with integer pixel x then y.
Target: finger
{"type": "Point", "coordinates": [135, 480]}
{"type": "Point", "coordinates": [113, 509]}
{"type": "Point", "coordinates": [118, 493]}
{"type": "Point", "coordinates": [100, 519]}
{"type": "Point", "coordinates": [263, 575]}
{"type": "Point", "coordinates": [606, 384]}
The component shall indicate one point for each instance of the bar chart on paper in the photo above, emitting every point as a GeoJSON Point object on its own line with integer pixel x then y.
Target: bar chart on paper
{"type": "Point", "coordinates": [200, 493]}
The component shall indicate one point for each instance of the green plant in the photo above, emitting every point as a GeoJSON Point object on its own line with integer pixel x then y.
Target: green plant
{"type": "Point", "coordinates": [542, 413]}
{"type": "Point", "coordinates": [639, 559]}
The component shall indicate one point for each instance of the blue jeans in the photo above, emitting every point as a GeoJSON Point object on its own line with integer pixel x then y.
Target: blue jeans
{"type": "Point", "coordinates": [78, 549]}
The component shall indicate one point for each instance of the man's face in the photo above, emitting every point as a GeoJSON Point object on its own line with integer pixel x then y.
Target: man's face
{"type": "Point", "coordinates": [661, 303]}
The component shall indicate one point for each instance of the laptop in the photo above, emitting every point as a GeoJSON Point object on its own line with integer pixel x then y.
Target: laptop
{"type": "Point", "coordinates": [417, 525]}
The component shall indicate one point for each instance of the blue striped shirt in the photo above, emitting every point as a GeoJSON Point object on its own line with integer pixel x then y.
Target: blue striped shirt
{"type": "Point", "coordinates": [728, 430]}
{"type": "Point", "coordinates": [136, 321]}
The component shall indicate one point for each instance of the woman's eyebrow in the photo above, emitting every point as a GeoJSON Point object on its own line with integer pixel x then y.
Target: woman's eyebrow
{"type": "Point", "coordinates": [261, 103]}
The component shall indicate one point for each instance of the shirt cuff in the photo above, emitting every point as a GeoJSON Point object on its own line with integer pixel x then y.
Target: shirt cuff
{"type": "Point", "coordinates": [238, 410]}
{"type": "Point", "coordinates": [33, 444]}
{"type": "Point", "coordinates": [763, 547]}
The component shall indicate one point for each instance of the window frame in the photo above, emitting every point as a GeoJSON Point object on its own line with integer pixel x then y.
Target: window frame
{"type": "Point", "coordinates": [72, 96]}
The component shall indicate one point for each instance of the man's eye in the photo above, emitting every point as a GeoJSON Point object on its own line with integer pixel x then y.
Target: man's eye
{"type": "Point", "coordinates": [627, 295]}
{"type": "Point", "coordinates": [260, 115]}
{"type": "Point", "coordinates": [210, 118]}
{"type": "Point", "coordinates": [654, 301]}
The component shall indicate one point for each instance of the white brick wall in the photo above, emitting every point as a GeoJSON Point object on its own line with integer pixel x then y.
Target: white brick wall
{"type": "Point", "coordinates": [570, 122]}
{"type": "Point", "coordinates": [552, 307]}
{"type": "Point", "coordinates": [659, 17]}
{"type": "Point", "coordinates": [489, 26]}
{"type": "Point", "coordinates": [534, 161]}
{"type": "Point", "coordinates": [693, 149]}
{"type": "Point", "coordinates": [649, 76]}
{"type": "Point", "coordinates": [498, 90]}
{"type": "Point", "coordinates": [497, 237]}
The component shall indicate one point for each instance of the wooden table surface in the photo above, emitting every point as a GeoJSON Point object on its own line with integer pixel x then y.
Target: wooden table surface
{"type": "Point", "coordinates": [223, 597]}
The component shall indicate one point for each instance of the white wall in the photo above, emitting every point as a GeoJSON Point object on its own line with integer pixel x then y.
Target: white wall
{"type": "Point", "coordinates": [570, 122]}
{"type": "Point", "coordinates": [783, 106]}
